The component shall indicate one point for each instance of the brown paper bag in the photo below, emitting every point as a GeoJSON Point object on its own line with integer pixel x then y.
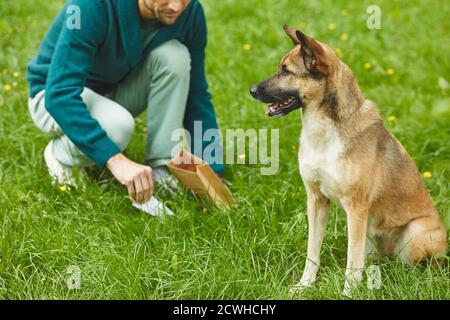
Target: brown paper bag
{"type": "Point", "coordinates": [197, 175]}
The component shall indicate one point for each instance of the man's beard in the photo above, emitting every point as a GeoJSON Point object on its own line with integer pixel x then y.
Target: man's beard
{"type": "Point", "coordinates": [154, 10]}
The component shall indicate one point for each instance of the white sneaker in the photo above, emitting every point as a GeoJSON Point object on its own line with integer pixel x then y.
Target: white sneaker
{"type": "Point", "coordinates": [165, 180]}
{"type": "Point", "coordinates": [59, 172]}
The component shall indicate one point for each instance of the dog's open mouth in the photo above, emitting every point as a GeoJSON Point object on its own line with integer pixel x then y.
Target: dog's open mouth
{"type": "Point", "coordinates": [279, 109]}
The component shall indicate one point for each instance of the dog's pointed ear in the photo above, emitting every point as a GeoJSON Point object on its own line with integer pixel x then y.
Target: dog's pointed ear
{"type": "Point", "coordinates": [292, 34]}
{"type": "Point", "coordinates": [313, 55]}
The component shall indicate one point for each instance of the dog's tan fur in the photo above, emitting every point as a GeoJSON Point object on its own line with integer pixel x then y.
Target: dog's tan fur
{"type": "Point", "coordinates": [348, 156]}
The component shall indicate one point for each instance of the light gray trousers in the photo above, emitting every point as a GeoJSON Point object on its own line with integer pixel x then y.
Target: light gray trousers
{"type": "Point", "coordinates": [161, 87]}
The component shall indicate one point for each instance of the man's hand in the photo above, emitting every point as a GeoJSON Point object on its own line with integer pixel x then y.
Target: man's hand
{"type": "Point", "coordinates": [136, 177]}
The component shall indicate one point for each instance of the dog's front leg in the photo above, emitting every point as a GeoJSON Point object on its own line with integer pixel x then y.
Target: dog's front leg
{"type": "Point", "coordinates": [357, 218]}
{"type": "Point", "coordinates": [318, 212]}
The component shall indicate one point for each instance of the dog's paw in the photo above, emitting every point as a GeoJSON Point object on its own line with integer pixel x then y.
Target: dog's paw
{"type": "Point", "coordinates": [299, 289]}
{"type": "Point", "coordinates": [296, 292]}
{"type": "Point", "coordinates": [349, 289]}
{"type": "Point", "coordinates": [347, 292]}
{"type": "Point", "coordinates": [353, 279]}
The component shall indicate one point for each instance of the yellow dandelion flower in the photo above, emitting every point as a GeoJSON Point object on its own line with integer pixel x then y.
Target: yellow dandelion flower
{"type": "Point", "coordinates": [16, 74]}
{"type": "Point", "coordinates": [64, 188]}
{"type": "Point", "coordinates": [331, 26]}
{"type": "Point", "coordinates": [344, 12]}
{"type": "Point", "coordinates": [247, 46]}
{"type": "Point", "coordinates": [7, 87]}
{"type": "Point", "coordinates": [392, 119]}
{"type": "Point", "coordinates": [390, 72]}
{"type": "Point", "coordinates": [344, 36]}
{"type": "Point", "coordinates": [339, 52]}
{"type": "Point", "coordinates": [15, 84]}
{"type": "Point", "coordinates": [427, 175]}
{"type": "Point", "coordinates": [367, 66]}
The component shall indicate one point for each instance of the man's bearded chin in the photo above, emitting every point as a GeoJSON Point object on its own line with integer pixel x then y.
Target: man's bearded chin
{"type": "Point", "coordinates": [156, 11]}
{"type": "Point", "coordinates": [165, 19]}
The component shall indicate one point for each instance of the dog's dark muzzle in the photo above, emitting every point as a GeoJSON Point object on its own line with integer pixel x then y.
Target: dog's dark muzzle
{"type": "Point", "coordinates": [280, 103]}
{"type": "Point", "coordinates": [260, 92]}
{"type": "Point", "coordinates": [254, 91]}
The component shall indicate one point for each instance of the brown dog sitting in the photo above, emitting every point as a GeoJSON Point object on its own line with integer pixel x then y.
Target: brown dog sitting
{"type": "Point", "coordinates": [348, 156]}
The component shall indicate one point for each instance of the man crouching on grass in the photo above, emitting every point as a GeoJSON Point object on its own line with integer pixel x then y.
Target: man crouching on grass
{"type": "Point", "coordinates": [103, 63]}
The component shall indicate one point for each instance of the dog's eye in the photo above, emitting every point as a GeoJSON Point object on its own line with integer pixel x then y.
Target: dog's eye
{"type": "Point", "coordinates": [284, 71]}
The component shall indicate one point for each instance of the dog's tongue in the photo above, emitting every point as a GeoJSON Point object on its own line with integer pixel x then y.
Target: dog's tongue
{"type": "Point", "coordinates": [271, 109]}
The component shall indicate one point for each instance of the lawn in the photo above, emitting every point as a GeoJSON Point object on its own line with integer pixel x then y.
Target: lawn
{"type": "Point", "coordinates": [258, 250]}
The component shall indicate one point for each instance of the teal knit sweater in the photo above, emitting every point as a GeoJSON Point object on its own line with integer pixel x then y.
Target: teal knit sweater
{"type": "Point", "coordinates": [101, 53]}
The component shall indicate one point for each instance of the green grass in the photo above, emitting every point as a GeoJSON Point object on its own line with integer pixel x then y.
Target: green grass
{"type": "Point", "coordinates": [257, 251]}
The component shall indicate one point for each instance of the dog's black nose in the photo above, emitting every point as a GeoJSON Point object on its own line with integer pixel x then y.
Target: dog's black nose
{"type": "Point", "coordinates": [254, 91]}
